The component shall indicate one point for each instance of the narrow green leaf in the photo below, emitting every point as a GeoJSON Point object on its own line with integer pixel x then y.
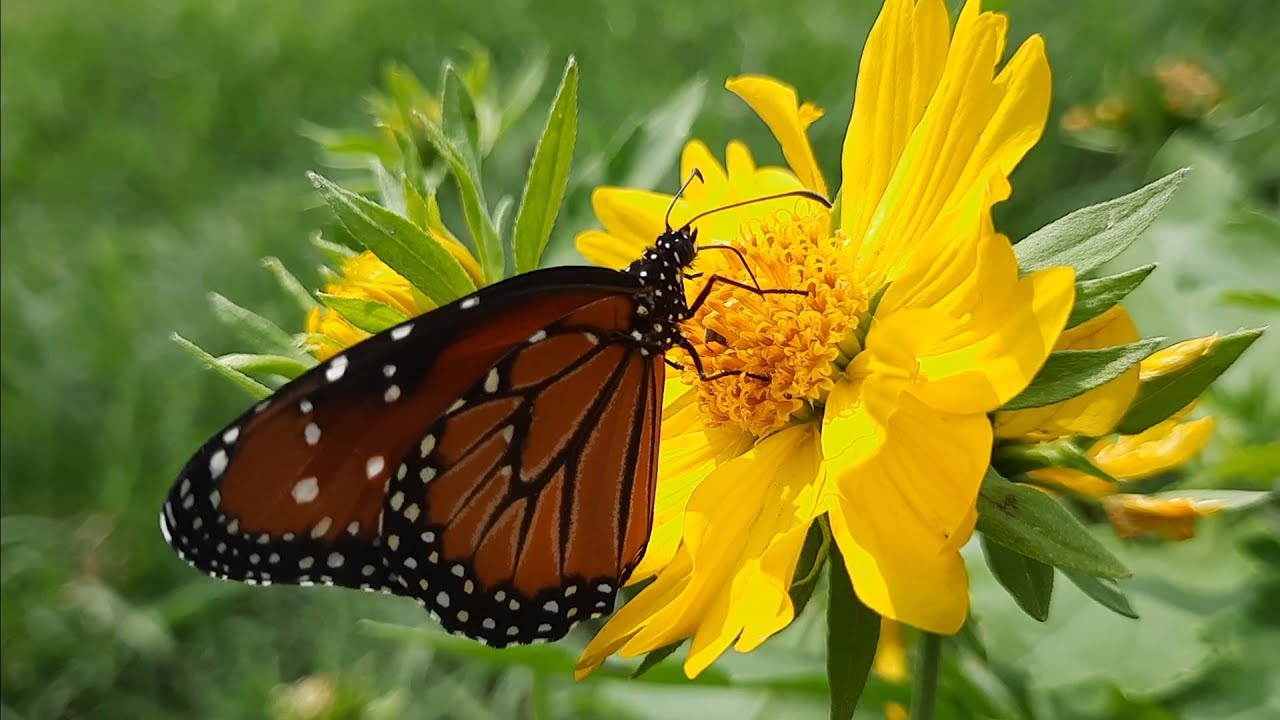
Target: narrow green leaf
{"type": "Point", "coordinates": [334, 253]}
{"type": "Point", "coordinates": [290, 284]}
{"type": "Point", "coordinates": [548, 174]}
{"type": "Point", "coordinates": [502, 213]}
{"type": "Point", "coordinates": [655, 657]}
{"type": "Point", "coordinates": [1103, 591]}
{"type": "Point", "coordinates": [415, 204]}
{"type": "Point", "coordinates": [1257, 299]}
{"type": "Point", "coordinates": [459, 121]}
{"type": "Point", "coordinates": [1029, 581]}
{"type": "Point", "coordinates": [237, 378]}
{"type": "Point", "coordinates": [522, 92]}
{"type": "Point", "coordinates": [1033, 524]}
{"type": "Point", "coordinates": [650, 153]}
{"type": "Point", "coordinates": [368, 315]}
{"type": "Point", "coordinates": [254, 330]}
{"type": "Point", "coordinates": [1017, 458]}
{"type": "Point", "coordinates": [1068, 373]}
{"type": "Point", "coordinates": [1090, 237]}
{"type": "Point", "coordinates": [262, 365]}
{"type": "Point", "coordinates": [474, 209]}
{"type": "Point", "coordinates": [1162, 396]}
{"type": "Point", "coordinates": [1094, 297]}
{"type": "Point", "coordinates": [853, 630]}
{"type": "Point", "coordinates": [408, 249]}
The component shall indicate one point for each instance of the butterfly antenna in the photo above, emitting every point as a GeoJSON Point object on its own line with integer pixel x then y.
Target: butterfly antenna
{"type": "Point", "coordinates": [807, 194]}
{"type": "Point", "coordinates": [695, 174]}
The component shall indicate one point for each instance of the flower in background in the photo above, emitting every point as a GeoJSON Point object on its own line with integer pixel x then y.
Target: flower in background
{"type": "Point", "coordinates": [914, 326]}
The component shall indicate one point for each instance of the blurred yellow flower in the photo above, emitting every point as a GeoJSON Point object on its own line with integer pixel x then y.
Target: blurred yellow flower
{"type": "Point", "coordinates": [874, 413]}
{"type": "Point", "coordinates": [362, 276]}
{"type": "Point", "coordinates": [1170, 519]}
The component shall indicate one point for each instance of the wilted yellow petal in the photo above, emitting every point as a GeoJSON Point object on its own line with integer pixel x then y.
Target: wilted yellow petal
{"type": "Point", "coordinates": [1094, 413]}
{"type": "Point", "coordinates": [1165, 446]}
{"type": "Point", "coordinates": [1076, 481]}
{"type": "Point", "coordinates": [1176, 357]}
{"type": "Point", "coordinates": [779, 107]}
{"type": "Point", "coordinates": [1168, 518]}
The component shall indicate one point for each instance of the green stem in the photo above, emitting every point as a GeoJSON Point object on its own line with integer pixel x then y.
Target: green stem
{"type": "Point", "coordinates": [924, 698]}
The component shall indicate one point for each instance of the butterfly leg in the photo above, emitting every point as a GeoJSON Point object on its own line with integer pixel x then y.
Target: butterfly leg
{"type": "Point", "coordinates": [702, 373]}
{"type": "Point", "coordinates": [706, 291]}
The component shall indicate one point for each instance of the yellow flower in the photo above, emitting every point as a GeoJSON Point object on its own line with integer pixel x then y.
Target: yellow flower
{"type": "Point", "coordinates": [365, 277]}
{"type": "Point", "coordinates": [876, 416]}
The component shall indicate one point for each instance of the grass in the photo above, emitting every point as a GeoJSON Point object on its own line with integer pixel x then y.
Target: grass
{"type": "Point", "coordinates": [152, 154]}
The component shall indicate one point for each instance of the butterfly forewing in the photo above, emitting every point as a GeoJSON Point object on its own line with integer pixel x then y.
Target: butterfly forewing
{"type": "Point", "coordinates": [294, 489]}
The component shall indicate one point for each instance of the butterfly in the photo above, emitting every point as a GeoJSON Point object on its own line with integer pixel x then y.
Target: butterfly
{"type": "Point", "coordinates": [494, 459]}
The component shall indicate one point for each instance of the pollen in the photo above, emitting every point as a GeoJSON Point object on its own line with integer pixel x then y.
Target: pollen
{"type": "Point", "coordinates": [782, 351]}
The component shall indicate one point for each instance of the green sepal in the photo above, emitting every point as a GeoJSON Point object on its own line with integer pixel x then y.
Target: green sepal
{"type": "Point", "coordinates": [370, 316]}
{"type": "Point", "coordinates": [1017, 458]}
{"type": "Point", "coordinates": [290, 284]}
{"type": "Point", "coordinates": [1094, 297]}
{"type": "Point", "coordinates": [1033, 524]}
{"type": "Point", "coordinates": [548, 174]}
{"type": "Point", "coordinates": [1069, 373]}
{"type": "Point", "coordinates": [1160, 397]}
{"type": "Point", "coordinates": [1090, 237]}
{"type": "Point", "coordinates": [237, 378]}
{"type": "Point", "coordinates": [266, 365]}
{"type": "Point", "coordinates": [654, 657]}
{"type": "Point", "coordinates": [817, 545]}
{"type": "Point", "coordinates": [334, 253]}
{"type": "Point", "coordinates": [254, 330]}
{"type": "Point", "coordinates": [405, 247]}
{"type": "Point", "coordinates": [853, 631]}
{"type": "Point", "coordinates": [1028, 581]}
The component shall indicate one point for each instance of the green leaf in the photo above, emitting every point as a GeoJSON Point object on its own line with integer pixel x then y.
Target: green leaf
{"type": "Point", "coordinates": [1033, 524]}
{"type": "Point", "coordinates": [334, 253]}
{"type": "Point", "coordinates": [289, 283]}
{"type": "Point", "coordinates": [1016, 458]}
{"type": "Point", "coordinates": [408, 249]}
{"type": "Point", "coordinates": [474, 209]}
{"type": "Point", "coordinates": [548, 174]}
{"type": "Point", "coordinates": [254, 330]}
{"type": "Point", "coordinates": [523, 91]}
{"type": "Point", "coordinates": [1029, 581]}
{"type": "Point", "coordinates": [1256, 299]}
{"type": "Point", "coordinates": [655, 657]}
{"type": "Point", "coordinates": [1103, 591]}
{"type": "Point", "coordinates": [1092, 236]}
{"type": "Point", "coordinates": [1162, 396]}
{"type": "Point", "coordinates": [368, 315]}
{"type": "Point", "coordinates": [237, 378]}
{"type": "Point", "coordinates": [260, 365]}
{"type": "Point", "coordinates": [1068, 373]}
{"type": "Point", "coordinates": [646, 156]}
{"type": "Point", "coordinates": [1094, 297]}
{"type": "Point", "coordinates": [853, 630]}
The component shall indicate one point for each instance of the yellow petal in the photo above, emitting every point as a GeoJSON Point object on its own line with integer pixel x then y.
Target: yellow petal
{"type": "Point", "coordinates": [1175, 357]}
{"type": "Point", "coordinates": [978, 343]}
{"type": "Point", "coordinates": [891, 653]}
{"type": "Point", "coordinates": [901, 64]}
{"type": "Point", "coordinates": [901, 516]}
{"type": "Point", "coordinates": [636, 217]}
{"type": "Point", "coordinates": [1094, 413]}
{"type": "Point", "coordinates": [605, 250]}
{"type": "Point", "coordinates": [1165, 446]}
{"type": "Point", "coordinates": [1167, 518]}
{"type": "Point", "coordinates": [779, 107]}
{"type": "Point", "coordinates": [1076, 481]}
{"type": "Point", "coordinates": [742, 556]}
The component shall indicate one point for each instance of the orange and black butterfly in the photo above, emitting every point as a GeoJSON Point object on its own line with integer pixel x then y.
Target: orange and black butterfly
{"type": "Point", "coordinates": [494, 459]}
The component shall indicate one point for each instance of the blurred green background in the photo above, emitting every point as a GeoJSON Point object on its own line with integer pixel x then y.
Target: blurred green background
{"type": "Point", "coordinates": [152, 152]}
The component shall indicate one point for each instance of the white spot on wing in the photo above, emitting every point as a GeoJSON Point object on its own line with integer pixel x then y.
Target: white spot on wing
{"type": "Point", "coordinates": [337, 367]}
{"type": "Point", "coordinates": [217, 463]}
{"type": "Point", "coordinates": [311, 433]}
{"type": "Point", "coordinates": [321, 527]}
{"type": "Point", "coordinates": [469, 303]}
{"type": "Point", "coordinates": [230, 435]}
{"type": "Point", "coordinates": [491, 381]}
{"type": "Point", "coordinates": [402, 332]}
{"type": "Point", "coordinates": [373, 466]}
{"type": "Point", "coordinates": [306, 490]}
{"type": "Point", "coordinates": [428, 444]}
{"type": "Point", "coordinates": [538, 336]}
{"type": "Point", "coordinates": [392, 394]}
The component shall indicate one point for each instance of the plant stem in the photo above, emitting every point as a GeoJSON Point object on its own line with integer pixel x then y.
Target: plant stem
{"type": "Point", "coordinates": [924, 696]}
